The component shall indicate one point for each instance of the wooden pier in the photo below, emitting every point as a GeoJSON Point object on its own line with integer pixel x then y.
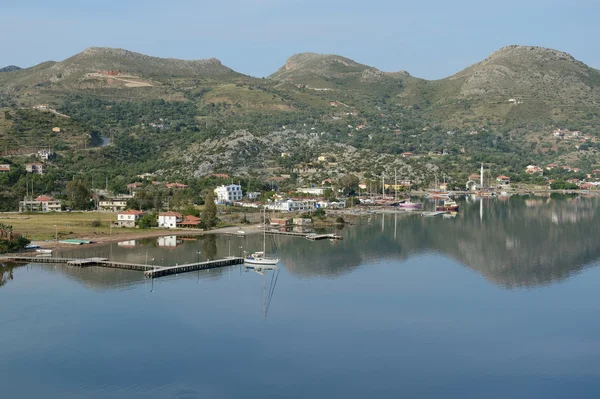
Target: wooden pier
{"type": "Point", "coordinates": [150, 271]}
{"type": "Point", "coordinates": [310, 236]}
{"type": "Point", "coordinates": [190, 267]}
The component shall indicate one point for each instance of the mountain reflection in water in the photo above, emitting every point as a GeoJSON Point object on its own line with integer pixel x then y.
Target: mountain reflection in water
{"type": "Point", "coordinates": [516, 242]}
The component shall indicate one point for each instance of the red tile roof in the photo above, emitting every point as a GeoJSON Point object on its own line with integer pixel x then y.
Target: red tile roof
{"type": "Point", "coordinates": [176, 185]}
{"type": "Point", "coordinates": [43, 198]}
{"type": "Point", "coordinates": [222, 175]}
{"type": "Point", "coordinates": [171, 213]}
{"type": "Point", "coordinates": [131, 212]}
{"type": "Point", "coordinates": [502, 177]}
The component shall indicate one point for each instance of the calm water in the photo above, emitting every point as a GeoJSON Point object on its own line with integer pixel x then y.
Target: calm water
{"type": "Point", "coordinates": [500, 302]}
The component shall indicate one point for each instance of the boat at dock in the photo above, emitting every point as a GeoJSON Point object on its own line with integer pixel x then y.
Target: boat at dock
{"type": "Point", "coordinates": [260, 258]}
{"type": "Point", "coordinates": [447, 205]}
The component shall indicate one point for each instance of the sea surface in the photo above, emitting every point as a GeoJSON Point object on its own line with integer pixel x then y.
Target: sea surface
{"type": "Point", "coordinates": [500, 301]}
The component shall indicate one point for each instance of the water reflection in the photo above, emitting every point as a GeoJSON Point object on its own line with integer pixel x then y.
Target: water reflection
{"type": "Point", "coordinates": [516, 242]}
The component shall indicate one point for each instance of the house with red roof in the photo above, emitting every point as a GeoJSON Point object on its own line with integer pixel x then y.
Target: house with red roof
{"type": "Point", "coordinates": [177, 185]}
{"type": "Point", "coordinates": [551, 166]}
{"type": "Point", "coordinates": [169, 219]}
{"type": "Point", "coordinates": [221, 175]}
{"type": "Point", "coordinates": [190, 221]}
{"type": "Point", "coordinates": [407, 154]}
{"type": "Point", "coordinates": [5, 168]}
{"type": "Point", "coordinates": [503, 181]}
{"type": "Point", "coordinates": [43, 203]}
{"type": "Point", "coordinates": [129, 217]}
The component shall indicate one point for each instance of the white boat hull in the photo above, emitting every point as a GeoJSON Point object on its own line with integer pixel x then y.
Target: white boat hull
{"type": "Point", "coordinates": [261, 261]}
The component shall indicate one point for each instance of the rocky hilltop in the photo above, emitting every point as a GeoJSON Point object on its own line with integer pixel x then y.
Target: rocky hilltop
{"type": "Point", "coordinates": [10, 68]}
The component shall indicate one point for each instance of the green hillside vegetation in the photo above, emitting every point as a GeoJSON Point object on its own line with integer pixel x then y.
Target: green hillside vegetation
{"type": "Point", "coordinates": [185, 120]}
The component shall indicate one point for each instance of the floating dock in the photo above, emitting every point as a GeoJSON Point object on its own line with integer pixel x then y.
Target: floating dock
{"type": "Point", "coordinates": [150, 271]}
{"type": "Point", "coordinates": [310, 236]}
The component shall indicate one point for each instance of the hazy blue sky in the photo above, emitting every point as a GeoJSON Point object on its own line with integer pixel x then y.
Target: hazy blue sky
{"type": "Point", "coordinates": [430, 39]}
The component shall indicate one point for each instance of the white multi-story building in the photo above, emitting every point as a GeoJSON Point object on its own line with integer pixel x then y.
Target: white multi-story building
{"type": "Point", "coordinates": [43, 203]}
{"type": "Point", "coordinates": [118, 203]}
{"type": "Point", "coordinates": [230, 193]}
{"type": "Point", "coordinates": [292, 205]}
{"type": "Point", "coordinates": [129, 217]}
{"type": "Point", "coordinates": [169, 219]}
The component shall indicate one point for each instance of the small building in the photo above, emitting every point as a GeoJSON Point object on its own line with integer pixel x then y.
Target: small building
{"type": "Point", "coordinates": [177, 185]}
{"type": "Point", "coordinates": [43, 203]}
{"type": "Point", "coordinates": [253, 195]}
{"type": "Point", "coordinates": [286, 154]}
{"type": "Point", "coordinates": [190, 221]}
{"type": "Point", "coordinates": [312, 190]}
{"type": "Point", "coordinates": [230, 193]}
{"type": "Point", "coordinates": [301, 221]}
{"type": "Point", "coordinates": [35, 167]}
{"type": "Point", "coordinates": [169, 220]}
{"type": "Point", "coordinates": [551, 166]}
{"type": "Point", "coordinates": [129, 218]}
{"type": "Point", "coordinates": [134, 186]}
{"type": "Point", "coordinates": [114, 204]}
{"type": "Point", "coordinates": [292, 205]}
{"type": "Point", "coordinates": [327, 181]}
{"type": "Point", "coordinates": [45, 154]}
{"type": "Point", "coordinates": [56, 130]}
{"type": "Point", "coordinates": [407, 154]}
{"type": "Point", "coordinates": [4, 168]}
{"type": "Point", "coordinates": [503, 180]}
{"type": "Point", "coordinates": [220, 175]}
{"type": "Point", "coordinates": [280, 222]}
{"type": "Point", "coordinates": [531, 169]}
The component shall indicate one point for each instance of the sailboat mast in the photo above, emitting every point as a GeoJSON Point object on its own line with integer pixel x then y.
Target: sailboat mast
{"type": "Point", "coordinates": [265, 231]}
{"type": "Point", "coordinates": [395, 185]}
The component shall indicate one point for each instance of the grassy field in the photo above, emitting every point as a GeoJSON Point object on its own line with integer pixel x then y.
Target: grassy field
{"type": "Point", "coordinates": [66, 225]}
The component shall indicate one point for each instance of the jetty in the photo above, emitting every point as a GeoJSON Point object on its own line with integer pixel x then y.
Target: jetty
{"type": "Point", "coordinates": [150, 271]}
{"type": "Point", "coordinates": [310, 236]}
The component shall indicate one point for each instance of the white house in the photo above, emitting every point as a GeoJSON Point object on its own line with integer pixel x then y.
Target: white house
{"type": "Point", "coordinates": [292, 205]}
{"type": "Point", "coordinates": [313, 190]}
{"type": "Point", "coordinates": [169, 219]}
{"type": "Point", "coordinates": [43, 203]}
{"type": "Point", "coordinates": [118, 203]}
{"type": "Point", "coordinates": [128, 218]}
{"type": "Point", "coordinates": [230, 193]}
{"type": "Point", "coordinates": [253, 195]}
{"type": "Point", "coordinates": [45, 154]}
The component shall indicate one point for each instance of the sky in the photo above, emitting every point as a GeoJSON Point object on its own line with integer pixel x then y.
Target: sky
{"type": "Point", "coordinates": [429, 39]}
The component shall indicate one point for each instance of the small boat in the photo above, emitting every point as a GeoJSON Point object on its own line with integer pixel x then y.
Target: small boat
{"type": "Point", "coordinates": [447, 205]}
{"type": "Point", "coordinates": [240, 232]}
{"type": "Point", "coordinates": [32, 246]}
{"type": "Point", "coordinates": [44, 251]}
{"type": "Point", "coordinates": [410, 205]}
{"type": "Point", "coordinates": [260, 258]}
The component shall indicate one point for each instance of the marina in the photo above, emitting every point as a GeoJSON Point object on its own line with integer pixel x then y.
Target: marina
{"type": "Point", "coordinates": [150, 271]}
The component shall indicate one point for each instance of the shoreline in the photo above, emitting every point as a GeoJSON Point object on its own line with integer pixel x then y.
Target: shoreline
{"type": "Point", "coordinates": [108, 239]}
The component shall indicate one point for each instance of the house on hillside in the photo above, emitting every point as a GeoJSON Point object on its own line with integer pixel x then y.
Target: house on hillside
{"type": "Point", "coordinates": [4, 168]}
{"type": "Point", "coordinates": [551, 166]}
{"type": "Point", "coordinates": [503, 181]}
{"type": "Point", "coordinates": [45, 154]}
{"type": "Point", "coordinates": [35, 167]}
{"type": "Point", "coordinates": [169, 220]}
{"type": "Point", "coordinates": [407, 154]}
{"type": "Point", "coordinates": [129, 218]}
{"type": "Point", "coordinates": [230, 193]}
{"type": "Point", "coordinates": [114, 204]}
{"type": "Point", "coordinates": [177, 185]}
{"type": "Point", "coordinates": [43, 203]}
{"type": "Point", "coordinates": [532, 169]}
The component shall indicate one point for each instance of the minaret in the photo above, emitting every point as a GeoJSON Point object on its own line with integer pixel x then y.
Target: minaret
{"type": "Point", "coordinates": [481, 176]}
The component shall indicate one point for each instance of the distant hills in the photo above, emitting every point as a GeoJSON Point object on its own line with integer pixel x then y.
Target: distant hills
{"type": "Point", "coordinates": [515, 97]}
{"type": "Point", "coordinates": [10, 68]}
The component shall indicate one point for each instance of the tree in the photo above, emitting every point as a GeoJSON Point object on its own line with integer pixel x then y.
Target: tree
{"type": "Point", "coordinates": [78, 194]}
{"type": "Point", "coordinates": [349, 184]}
{"type": "Point", "coordinates": [148, 220]}
{"type": "Point", "coordinates": [209, 213]}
